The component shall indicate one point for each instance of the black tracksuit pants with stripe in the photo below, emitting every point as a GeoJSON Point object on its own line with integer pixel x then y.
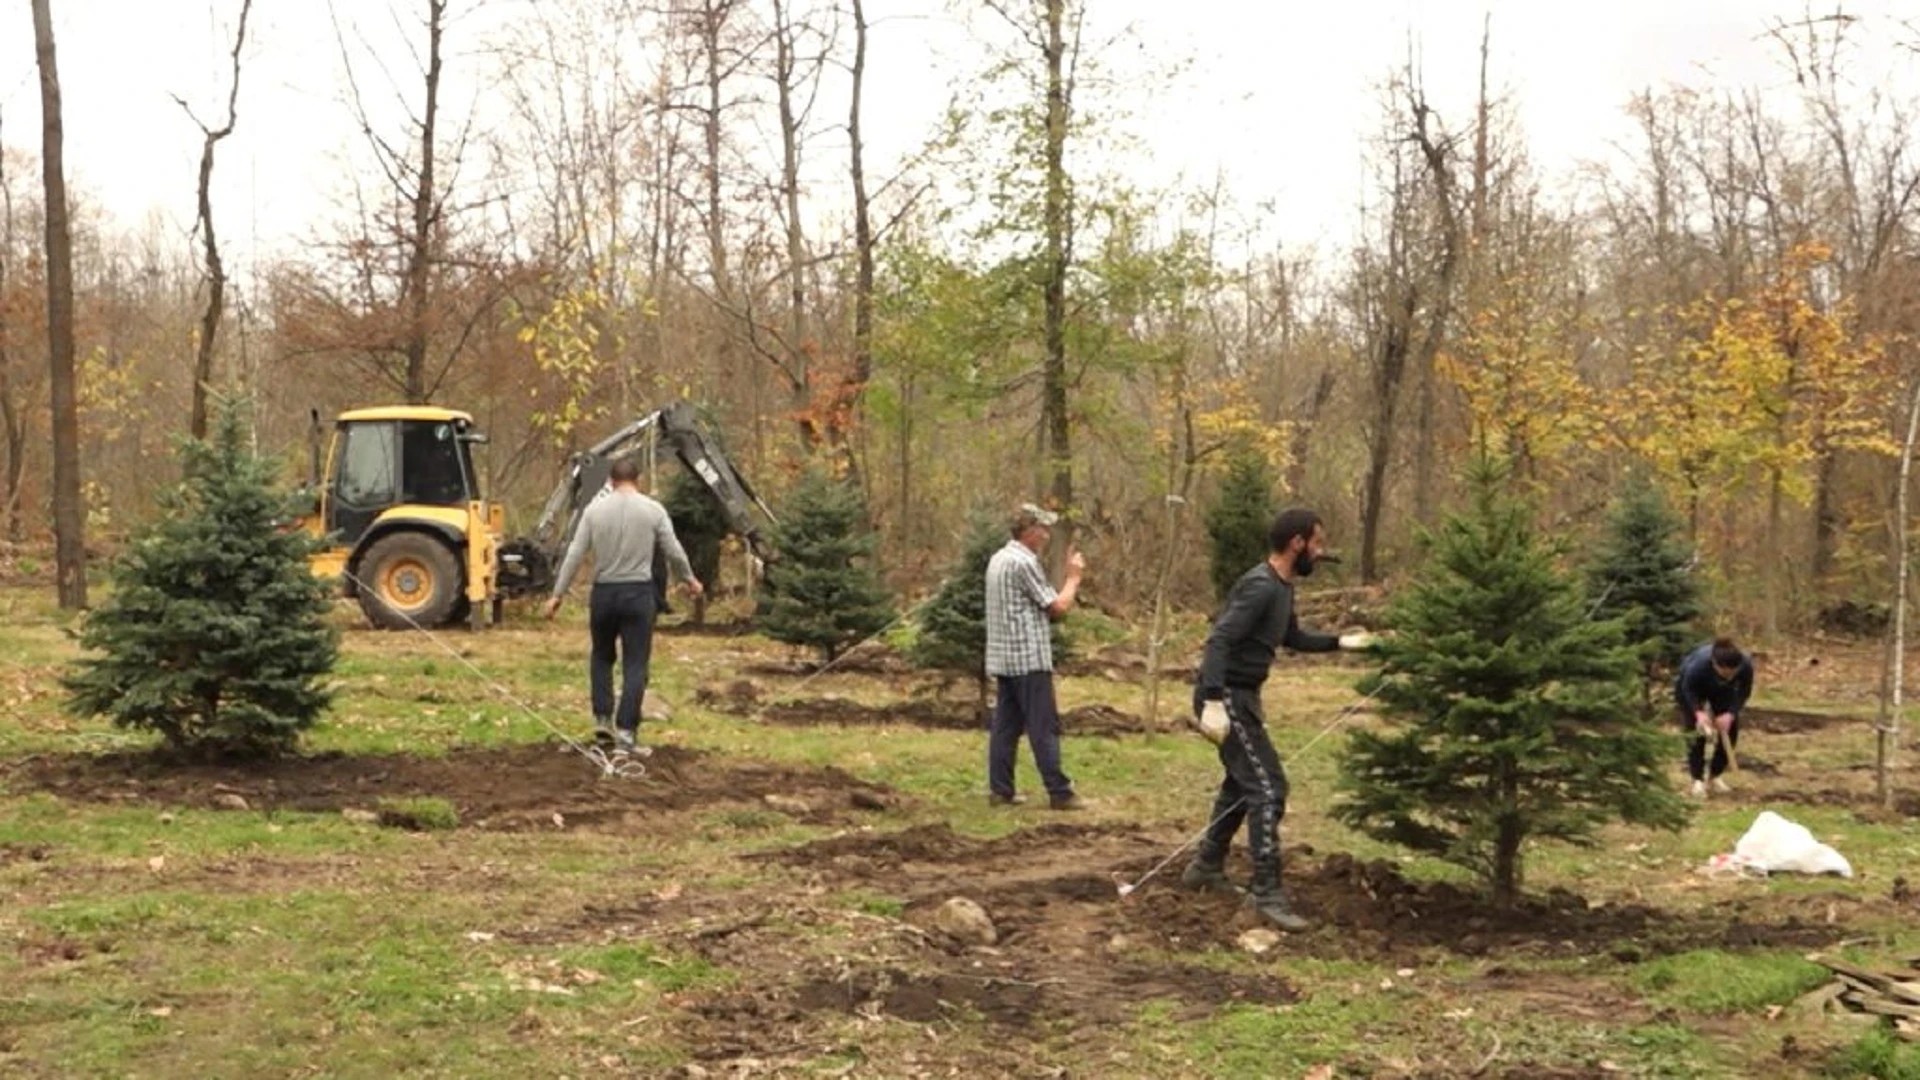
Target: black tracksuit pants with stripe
{"type": "Point", "coordinates": [1254, 790]}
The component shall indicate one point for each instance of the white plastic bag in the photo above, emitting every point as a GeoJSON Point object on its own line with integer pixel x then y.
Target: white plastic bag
{"type": "Point", "coordinates": [1773, 845]}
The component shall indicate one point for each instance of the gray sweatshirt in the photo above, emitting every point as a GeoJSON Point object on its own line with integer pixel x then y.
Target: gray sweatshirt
{"type": "Point", "coordinates": [621, 529]}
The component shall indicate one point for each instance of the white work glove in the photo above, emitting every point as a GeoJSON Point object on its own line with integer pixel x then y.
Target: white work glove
{"type": "Point", "coordinates": [1213, 721]}
{"type": "Point", "coordinates": [1357, 640]}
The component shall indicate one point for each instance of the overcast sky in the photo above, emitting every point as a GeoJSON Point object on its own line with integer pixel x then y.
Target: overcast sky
{"type": "Point", "coordinates": [1276, 96]}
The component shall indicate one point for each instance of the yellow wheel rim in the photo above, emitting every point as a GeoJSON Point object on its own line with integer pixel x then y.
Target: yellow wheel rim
{"type": "Point", "coordinates": [406, 583]}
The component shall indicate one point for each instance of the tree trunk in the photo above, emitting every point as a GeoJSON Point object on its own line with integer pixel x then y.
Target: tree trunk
{"type": "Point", "coordinates": [11, 419]}
{"type": "Point", "coordinates": [1826, 516]}
{"type": "Point", "coordinates": [1388, 368]}
{"type": "Point", "coordinates": [425, 215]}
{"type": "Point", "coordinates": [1506, 865]}
{"type": "Point", "coordinates": [1771, 570]}
{"type": "Point", "coordinates": [69, 523]}
{"type": "Point", "coordinates": [713, 19]}
{"type": "Point", "coordinates": [1423, 446]}
{"type": "Point", "coordinates": [1180, 464]}
{"type": "Point", "coordinates": [1506, 844]}
{"type": "Point", "coordinates": [216, 270]}
{"type": "Point", "coordinates": [799, 374]}
{"type": "Point", "coordinates": [861, 371]}
{"type": "Point", "coordinates": [1887, 730]}
{"type": "Point", "coordinates": [909, 528]}
{"type": "Point", "coordinates": [1059, 245]}
{"type": "Point", "coordinates": [1301, 441]}
{"type": "Point", "coordinates": [216, 298]}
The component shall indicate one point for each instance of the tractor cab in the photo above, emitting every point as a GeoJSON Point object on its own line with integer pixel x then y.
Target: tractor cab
{"type": "Point", "coordinates": [400, 510]}
{"type": "Point", "coordinates": [384, 458]}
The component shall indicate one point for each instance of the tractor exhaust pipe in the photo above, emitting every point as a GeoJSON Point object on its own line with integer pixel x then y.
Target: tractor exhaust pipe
{"type": "Point", "coordinates": [313, 448]}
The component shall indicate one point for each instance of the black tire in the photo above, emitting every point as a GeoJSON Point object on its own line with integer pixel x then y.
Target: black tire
{"type": "Point", "coordinates": [410, 579]}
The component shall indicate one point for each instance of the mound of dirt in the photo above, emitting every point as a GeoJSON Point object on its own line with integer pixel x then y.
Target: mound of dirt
{"type": "Point", "coordinates": [807, 712]}
{"type": "Point", "coordinates": [511, 787]}
{"type": "Point", "coordinates": [1104, 720]}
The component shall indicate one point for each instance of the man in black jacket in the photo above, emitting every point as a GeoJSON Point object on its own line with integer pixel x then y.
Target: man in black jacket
{"type": "Point", "coordinates": [1257, 619]}
{"type": "Point", "coordinates": [1711, 688]}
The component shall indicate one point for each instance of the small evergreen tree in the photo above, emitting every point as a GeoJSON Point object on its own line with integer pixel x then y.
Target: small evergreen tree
{"type": "Point", "coordinates": [1238, 520]}
{"type": "Point", "coordinates": [1511, 713]}
{"type": "Point", "coordinates": [822, 590]}
{"type": "Point", "coordinates": [702, 529]}
{"type": "Point", "coordinates": [953, 626]}
{"type": "Point", "coordinates": [214, 634]}
{"type": "Point", "coordinates": [1641, 574]}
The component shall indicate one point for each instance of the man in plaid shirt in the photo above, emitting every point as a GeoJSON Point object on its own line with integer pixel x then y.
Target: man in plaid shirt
{"type": "Point", "coordinates": [1020, 604]}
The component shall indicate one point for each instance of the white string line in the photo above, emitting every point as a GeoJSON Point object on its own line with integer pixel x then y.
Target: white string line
{"type": "Point", "coordinates": [627, 767]}
{"type": "Point", "coordinates": [1338, 719]}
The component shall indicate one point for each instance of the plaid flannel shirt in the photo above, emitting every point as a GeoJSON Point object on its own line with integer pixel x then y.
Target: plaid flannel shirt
{"type": "Point", "coordinates": [1019, 636]}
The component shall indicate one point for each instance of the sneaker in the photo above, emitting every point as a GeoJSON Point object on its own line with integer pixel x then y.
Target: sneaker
{"type": "Point", "coordinates": [1699, 789]}
{"type": "Point", "coordinates": [624, 742]}
{"type": "Point", "coordinates": [1070, 801]}
{"type": "Point", "coordinates": [603, 730]}
{"type": "Point", "coordinates": [1720, 786]}
{"type": "Point", "coordinates": [997, 799]}
{"type": "Point", "coordinates": [1273, 907]}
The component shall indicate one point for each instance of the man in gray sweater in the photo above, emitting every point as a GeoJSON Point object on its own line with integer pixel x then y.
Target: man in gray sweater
{"type": "Point", "coordinates": [621, 528]}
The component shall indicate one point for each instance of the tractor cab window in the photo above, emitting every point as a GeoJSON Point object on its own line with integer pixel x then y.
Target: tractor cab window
{"type": "Point", "coordinates": [436, 463]}
{"type": "Point", "coordinates": [367, 466]}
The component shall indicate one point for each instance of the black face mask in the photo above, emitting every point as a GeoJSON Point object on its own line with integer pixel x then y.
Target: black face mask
{"type": "Point", "coordinates": [1303, 562]}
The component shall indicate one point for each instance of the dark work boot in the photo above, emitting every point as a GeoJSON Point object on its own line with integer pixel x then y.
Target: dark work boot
{"type": "Point", "coordinates": [1207, 872]}
{"type": "Point", "coordinates": [1269, 901]}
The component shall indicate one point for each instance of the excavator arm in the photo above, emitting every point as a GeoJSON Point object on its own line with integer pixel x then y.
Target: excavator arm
{"type": "Point", "coordinates": [528, 564]}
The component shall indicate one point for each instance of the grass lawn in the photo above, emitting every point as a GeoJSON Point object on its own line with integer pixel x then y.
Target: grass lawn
{"type": "Point", "coordinates": [443, 887]}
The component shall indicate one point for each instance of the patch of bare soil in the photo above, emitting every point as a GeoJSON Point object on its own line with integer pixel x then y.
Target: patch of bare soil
{"type": "Point", "coordinates": [47, 951]}
{"type": "Point", "coordinates": [1070, 956]}
{"type": "Point", "coordinates": [506, 788]}
{"type": "Point", "coordinates": [743, 697]}
{"type": "Point", "coordinates": [1101, 993]}
{"type": "Point", "coordinates": [1059, 884]}
{"type": "Point", "coordinates": [867, 661]}
{"type": "Point", "coordinates": [1789, 722]}
{"type": "Point", "coordinates": [721, 628]}
{"type": "Point", "coordinates": [809, 712]}
{"type": "Point", "coordinates": [14, 853]}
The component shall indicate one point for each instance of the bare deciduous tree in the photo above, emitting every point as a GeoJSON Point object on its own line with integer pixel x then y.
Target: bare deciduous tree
{"type": "Point", "coordinates": [203, 222]}
{"type": "Point", "coordinates": [12, 409]}
{"type": "Point", "coordinates": [1404, 293]}
{"type": "Point", "coordinates": [69, 522]}
{"type": "Point", "coordinates": [861, 369]}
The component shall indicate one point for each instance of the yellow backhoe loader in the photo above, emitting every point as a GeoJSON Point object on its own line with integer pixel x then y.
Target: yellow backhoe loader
{"type": "Point", "coordinates": [409, 534]}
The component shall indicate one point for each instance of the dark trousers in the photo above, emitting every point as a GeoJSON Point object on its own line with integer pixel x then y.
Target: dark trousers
{"type": "Point", "coordinates": [1025, 703]}
{"type": "Point", "coordinates": [620, 614]}
{"type": "Point", "coordinates": [1253, 791]}
{"type": "Point", "coordinates": [1697, 748]}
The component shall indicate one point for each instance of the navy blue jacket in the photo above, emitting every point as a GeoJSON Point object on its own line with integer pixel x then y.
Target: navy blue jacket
{"type": "Point", "coordinates": [1698, 686]}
